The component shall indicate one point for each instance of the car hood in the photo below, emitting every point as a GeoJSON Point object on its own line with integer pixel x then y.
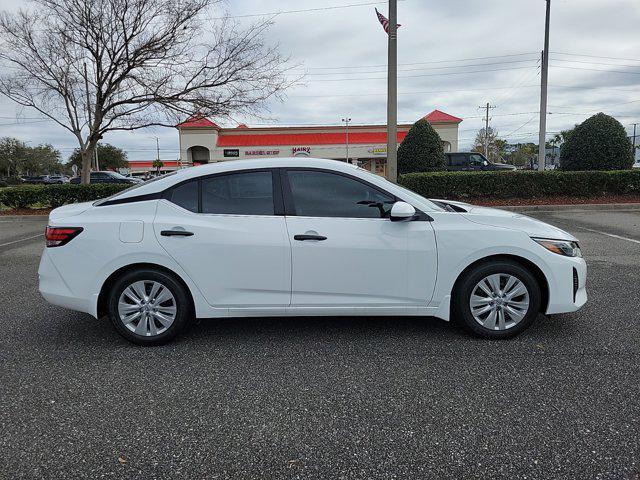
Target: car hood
{"type": "Point", "coordinates": [69, 210]}
{"type": "Point", "coordinates": [515, 221]}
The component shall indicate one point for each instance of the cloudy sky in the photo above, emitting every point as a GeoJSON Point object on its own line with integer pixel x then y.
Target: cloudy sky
{"type": "Point", "coordinates": [453, 55]}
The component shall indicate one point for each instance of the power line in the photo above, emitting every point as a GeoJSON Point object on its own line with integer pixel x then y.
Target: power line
{"type": "Point", "coordinates": [428, 62]}
{"type": "Point", "coordinates": [283, 12]}
{"type": "Point", "coordinates": [419, 76]}
{"type": "Point", "coordinates": [596, 56]}
{"type": "Point", "coordinates": [595, 69]}
{"type": "Point", "coordinates": [420, 69]}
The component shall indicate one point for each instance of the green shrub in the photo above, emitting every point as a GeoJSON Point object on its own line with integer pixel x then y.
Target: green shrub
{"type": "Point", "coordinates": [522, 184]}
{"type": "Point", "coordinates": [598, 143]}
{"type": "Point", "coordinates": [56, 195]}
{"type": "Point", "coordinates": [421, 150]}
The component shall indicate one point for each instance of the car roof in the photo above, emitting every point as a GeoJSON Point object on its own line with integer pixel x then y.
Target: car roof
{"type": "Point", "coordinates": [160, 184]}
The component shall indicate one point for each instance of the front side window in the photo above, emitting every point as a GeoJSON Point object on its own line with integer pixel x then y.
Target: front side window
{"type": "Point", "coordinates": [324, 194]}
{"type": "Point", "coordinates": [477, 160]}
{"type": "Point", "coordinates": [247, 193]}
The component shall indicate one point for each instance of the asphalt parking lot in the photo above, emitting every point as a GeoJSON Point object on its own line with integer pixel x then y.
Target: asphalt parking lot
{"type": "Point", "coordinates": [326, 398]}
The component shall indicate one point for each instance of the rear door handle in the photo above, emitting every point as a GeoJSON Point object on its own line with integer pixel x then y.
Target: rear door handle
{"type": "Point", "coordinates": [175, 233]}
{"type": "Point", "coordinates": [309, 237]}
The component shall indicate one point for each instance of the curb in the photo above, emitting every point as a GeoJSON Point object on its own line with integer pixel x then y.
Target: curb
{"type": "Point", "coordinates": [566, 208]}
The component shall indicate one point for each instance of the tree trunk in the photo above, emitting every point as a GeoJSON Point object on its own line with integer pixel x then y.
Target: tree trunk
{"type": "Point", "coordinates": [87, 161]}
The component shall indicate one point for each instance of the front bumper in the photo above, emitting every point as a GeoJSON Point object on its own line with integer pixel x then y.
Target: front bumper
{"type": "Point", "coordinates": [564, 297]}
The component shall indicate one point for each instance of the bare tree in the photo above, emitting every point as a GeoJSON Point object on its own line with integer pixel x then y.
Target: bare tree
{"type": "Point", "coordinates": [495, 147]}
{"type": "Point", "coordinates": [96, 66]}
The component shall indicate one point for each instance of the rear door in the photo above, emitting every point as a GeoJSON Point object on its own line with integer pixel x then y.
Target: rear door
{"type": "Point", "coordinates": [346, 252]}
{"type": "Point", "coordinates": [228, 233]}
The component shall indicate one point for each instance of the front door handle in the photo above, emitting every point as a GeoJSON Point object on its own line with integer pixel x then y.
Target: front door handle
{"type": "Point", "coordinates": [175, 233]}
{"type": "Point", "coordinates": [309, 237]}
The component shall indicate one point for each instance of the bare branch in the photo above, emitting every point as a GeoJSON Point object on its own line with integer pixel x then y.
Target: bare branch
{"type": "Point", "coordinates": [148, 63]}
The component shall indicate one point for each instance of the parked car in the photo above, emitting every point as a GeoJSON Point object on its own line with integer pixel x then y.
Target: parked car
{"type": "Point", "coordinates": [55, 179]}
{"type": "Point", "coordinates": [33, 179]}
{"type": "Point", "coordinates": [472, 161]}
{"type": "Point", "coordinates": [300, 237]}
{"type": "Point", "coordinates": [108, 177]}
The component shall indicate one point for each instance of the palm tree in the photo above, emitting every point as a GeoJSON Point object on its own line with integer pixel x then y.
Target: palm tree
{"type": "Point", "coordinates": [157, 164]}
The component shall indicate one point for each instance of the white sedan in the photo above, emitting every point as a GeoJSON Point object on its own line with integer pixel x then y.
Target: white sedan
{"type": "Point", "coordinates": [300, 237]}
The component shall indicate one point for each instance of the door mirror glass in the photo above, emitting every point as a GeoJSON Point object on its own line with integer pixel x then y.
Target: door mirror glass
{"type": "Point", "coordinates": [402, 211]}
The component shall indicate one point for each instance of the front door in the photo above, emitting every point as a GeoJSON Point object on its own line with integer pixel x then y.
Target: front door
{"type": "Point", "coordinates": [229, 239]}
{"type": "Point", "coordinates": [345, 250]}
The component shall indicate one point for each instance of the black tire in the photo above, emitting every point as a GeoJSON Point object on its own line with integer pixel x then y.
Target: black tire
{"type": "Point", "coordinates": [184, 310]}
{"type": "Point", "coordinates": [461, 310]}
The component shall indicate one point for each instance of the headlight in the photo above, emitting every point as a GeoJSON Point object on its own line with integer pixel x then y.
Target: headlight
{"type": "Point", "coordinates": [561, 247]}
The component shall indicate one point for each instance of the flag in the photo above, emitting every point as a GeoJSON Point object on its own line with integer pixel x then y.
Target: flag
{"type": "Point", "coordinates": [384, 22]}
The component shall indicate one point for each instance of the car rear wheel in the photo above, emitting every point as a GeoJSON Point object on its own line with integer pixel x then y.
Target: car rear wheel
{"type": "Point", "coordinates": [497, 300]}
{"type": "Point", "coordinates": [149, 307]}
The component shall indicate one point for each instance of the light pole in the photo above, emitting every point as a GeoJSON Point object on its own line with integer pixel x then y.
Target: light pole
{"type": "Point", "coordinates": [543, 91]}
{"type": "Point", "coordinates": [346, 121]}
{"type": "Point", "coordinates": [392, 94]}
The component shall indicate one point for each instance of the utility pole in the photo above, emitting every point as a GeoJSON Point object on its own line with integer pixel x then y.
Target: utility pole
{"type": "Point", "coordinates": [633, 150]}
{"type": "Point", "coordinates": [392, 94]}
{"type": "Point", "coordinates": [486, 129]}
{"type": "Point", "coordinates": [346, 121]}
{"type": "Point", "coordinates": [543, 91]}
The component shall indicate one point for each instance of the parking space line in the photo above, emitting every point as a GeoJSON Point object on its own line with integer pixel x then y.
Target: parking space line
{"type": "Point", "coordinates": [613, 235]}
{"type": "Point", "coordinates": [21, 240]}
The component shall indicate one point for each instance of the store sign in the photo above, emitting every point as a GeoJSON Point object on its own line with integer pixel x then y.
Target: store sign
{"type": "Point", "coordinates": [301, 151]}
{"type": "Point", "coordinates": [231, 152]}
{"type": "Point", "coordinates": [378, 151]}
{"type": "Point", "coordinates": [261, 152]}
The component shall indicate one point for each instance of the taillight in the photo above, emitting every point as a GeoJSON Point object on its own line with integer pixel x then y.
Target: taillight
{"type": "Point", "coordinates": [58, 236]}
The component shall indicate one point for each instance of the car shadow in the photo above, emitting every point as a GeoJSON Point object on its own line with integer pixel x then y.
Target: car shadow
{"type": "Point", "coordinates": [426, 334]}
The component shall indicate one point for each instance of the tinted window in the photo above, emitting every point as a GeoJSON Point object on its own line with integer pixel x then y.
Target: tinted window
{"type": "Point", "coordinates": [457, 159]}
{"type": "Point", "coordinates": [186, 195]}
{"type": "Point", "coordinates": [323, 194]}
{"type": "Point", "coordinates": [249, 193]}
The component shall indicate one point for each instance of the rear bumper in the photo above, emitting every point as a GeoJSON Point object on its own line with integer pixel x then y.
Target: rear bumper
{"type": "Point", "coordinates": [55, 290]}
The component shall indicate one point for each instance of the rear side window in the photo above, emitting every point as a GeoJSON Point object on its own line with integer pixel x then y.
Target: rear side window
{"type": "Point", "coordinates": [186, 195]}
{"type": "Point", "coordinates": [457, 159]}
{"type": "Point", "coordinates": [249, 193]}
{"type": "Point", "coordinates": [324, 194]}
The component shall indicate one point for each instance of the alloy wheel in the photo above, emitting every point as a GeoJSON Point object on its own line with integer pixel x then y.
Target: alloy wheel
{"type": "Point", "coordinates": [499, 301]}
{"type": "Point", "coordinates": [147, 308]}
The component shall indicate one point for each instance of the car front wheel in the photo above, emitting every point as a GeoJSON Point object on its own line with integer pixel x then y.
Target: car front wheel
{"type": "Point", "coordinates": [497, 300]}
{"type": "Point", "coordinates": [149, 307]}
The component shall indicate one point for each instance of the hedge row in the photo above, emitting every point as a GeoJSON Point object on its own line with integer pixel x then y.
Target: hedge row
{"type": "Point", "coordinates": [53, 196]}
{"type": "Point", "coordinates": [522, 184]}
{"type": "Point", "coordinates": [450, 185]}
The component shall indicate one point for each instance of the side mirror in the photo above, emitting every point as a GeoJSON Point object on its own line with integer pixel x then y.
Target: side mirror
{"type": "Point", "coordinates": [402, 211]}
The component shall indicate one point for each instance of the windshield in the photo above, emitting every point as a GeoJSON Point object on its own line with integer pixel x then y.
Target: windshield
{"type": "Point", "coordinates": [118, 175]}
{"type": "Point", "coordinates": [137, 185]}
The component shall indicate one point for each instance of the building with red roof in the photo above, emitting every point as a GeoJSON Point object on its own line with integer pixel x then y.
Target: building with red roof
{"type": "Point", "coordinates": [202, 141]}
